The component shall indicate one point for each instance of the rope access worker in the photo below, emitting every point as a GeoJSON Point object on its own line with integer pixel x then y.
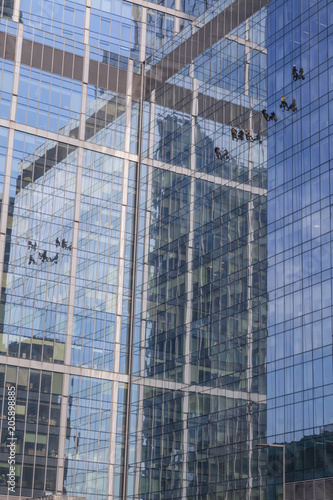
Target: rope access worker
{"type": "Point", "coordinates": [258, 138]}
{"type": "Point", "coordinates": [295, 73]}
{"type": "Point", "coordinates": [266, 115]}
{"type": "Point", "coordinates": [248, 135]}
{"type": "Point", "coordinates": [284, 104]}
{"type": "Point", "coordinates": [241, 134]}
{"type": "Point", "coordinates": [55, 258]}
{"type": "Point", "coordinates": [218, 153]}
{"type": "Point", "coordinates": [293, 106]}
{"type": "Point", "coordinates": [301, 74]}
{"type": "Point", "coordinates": [43, 256]}
{"type": "Point", "coordinates": [234, 134]}
{"type": "Point", "coordinates": [31, 260]}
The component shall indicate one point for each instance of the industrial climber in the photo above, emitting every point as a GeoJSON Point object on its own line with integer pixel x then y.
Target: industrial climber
{"type": "Point", "coordinates": [241, 134]}
{"type": "Point", "coordinates": [268, 117]}
{"type": "Point", "coordinates": [293, 106]}
{"type": "Point", "coordinates": [31, 260]}
{"type": "Point", "coordinates": [284, 104]}
{"type": "Point", "coordinates": [297, 75]}
{"type": "Point", "coordinates": [248, 135]}
{"type": "Point", "coordinates": [220, 155]}
{"type": "Point", "coordinates": [234, 134]}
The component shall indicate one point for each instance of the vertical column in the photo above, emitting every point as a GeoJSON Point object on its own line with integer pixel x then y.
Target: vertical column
{"type": "Point", "coordinates": [87, 23]}
{"type": "Point", "coordinates": [189, 277]}
{"type": "Point", "coordinates": [143, 34]}
{"type": "Point", "coordinates": [75, 242]}
{"type": "Point", "coordinates": [177, 19]}
{"type": "Point", "coordinates": [10, 146]}
{"type": "Point", "coordinates": [77, 203]}
{"type": "Point", "coordinates": [16, 11]}
{"type": "Point", "coordinates": [120, 283]}
{"type": "Point", "coordinates": [151, 137]}
{"type": "Point", "coordinates": [70, 321]}
{"type": "Point", "coordinates": [249, 339]}
{"type": "Point", "coordinates": [187, 354]}
{"type": "Point", "coordinates": [112, 442]}
{"type": "Point", "coordinates": [63, 432]}
{"type": "Point", "coordinates": [138, 443]}
{"type": "Point", "coordinates": [74, 254]}
{"type": "Point", "coordinates": [249, 346]}
{"type": "Point", "coordinates": [247, 65]}
{"type": "Point", "coordinates": [123, 215]}
{"type": "Point", "coordinates": [128, 105]}
{"type": "Point", "coordinates": [85, 71]}
{"type": "Point", "coordinates": [138, 449]}
{"type": "Point", "coordinates": [121, 267]}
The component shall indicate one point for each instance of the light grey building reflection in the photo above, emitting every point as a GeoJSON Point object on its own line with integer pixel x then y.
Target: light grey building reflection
{"type": "Point", "coordinates": [163, 311]}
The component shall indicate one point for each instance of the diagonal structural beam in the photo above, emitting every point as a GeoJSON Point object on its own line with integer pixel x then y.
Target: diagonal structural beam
{"type": "Point", "coordinates": [199, 42]}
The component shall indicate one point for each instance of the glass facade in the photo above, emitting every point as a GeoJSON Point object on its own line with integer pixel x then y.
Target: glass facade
{"type": "Point", "coordinates": [166, 308]}
{"type": "Point", "coordinates": [299, 342]}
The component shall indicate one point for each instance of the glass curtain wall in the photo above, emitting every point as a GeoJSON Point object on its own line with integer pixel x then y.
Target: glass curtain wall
{"type": "Point", "coordinates": [166, 305]}
{"type": "Point", "coordinates": [199, 379]}
{"type": "Point", "coordinates": [299, 342]}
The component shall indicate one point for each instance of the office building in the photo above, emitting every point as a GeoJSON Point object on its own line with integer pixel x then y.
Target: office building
{"type": "Point", "coordinates": [164, 311]}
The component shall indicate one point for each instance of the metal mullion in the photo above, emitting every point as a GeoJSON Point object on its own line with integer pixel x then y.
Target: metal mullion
{"type": "Point", "coordinates": [134, 271]}
{"type": "Point", "coordinates": [250, 238]}
{"type": "Point", "coordinates": [189, 280]}
{"type": "Point", "coordinates": [143, 39]}
{"type": "Point", "coordinates": [3, 400]}
{"type": "Point", "coordinates": [36, 433]}
{"type": "Point", "coordinates": [73, 266]}
{"type": "Point", "coordinates": [99, 428]}
{"type": "Point", "coordinates": [77, 425]}
{"type": "Point", "coordinates": [112, 439]}
{"type": "Point", "coordinates": [145, 271]}
{"type": "Point", "coordinates": [25, 270]}
{"type": "Point", "coordinates": [108, 258]}
{"type": "Point", "coordinates": [88, 432]}
{"type": "Point", "coordinates": [25, 428]}
{"type": "Point", "coordinates": [58, 281]}
{"type": "Point", "coordinates": [10, 146]}
{"type": "Point", "coordinates": [47, 437]}
{"type": "Point", "coordinates": [46, 279]}
{"type": "Point", "coordinates": [98, 263]}
{"type": "Point", "coordinates": [121, 268]}
{"type": "Point", "coordinates": [49, 424]}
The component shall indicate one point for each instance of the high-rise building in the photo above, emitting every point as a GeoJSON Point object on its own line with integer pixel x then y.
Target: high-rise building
{"type": "Point", "coordinates": [165, 311]}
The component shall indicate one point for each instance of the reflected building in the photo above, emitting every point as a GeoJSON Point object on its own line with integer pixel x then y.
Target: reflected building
{"type": "Point", "coordinates": [199, 344]}
{"type": "Point", "coordinates": [164, 311]}
{"type": "Point", "coordinates": [6, 8]}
